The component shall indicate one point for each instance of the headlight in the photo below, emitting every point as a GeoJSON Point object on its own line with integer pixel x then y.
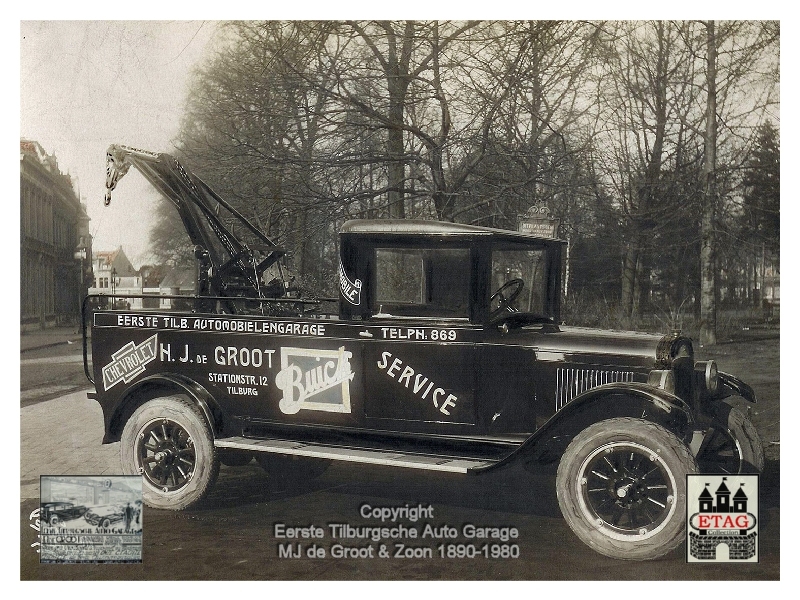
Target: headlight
{"type": "Point", "coordinates": [663, 379]}
{"type": "Point", "coordinates": [672, 348]}
{"type": "Point", "coordinates": [708, 374]}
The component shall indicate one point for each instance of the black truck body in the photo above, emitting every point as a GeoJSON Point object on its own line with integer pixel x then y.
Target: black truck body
{"type": "Point", "coordinates": [447, 352]}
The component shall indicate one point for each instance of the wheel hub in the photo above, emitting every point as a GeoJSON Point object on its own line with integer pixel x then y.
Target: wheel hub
{"type": "Point", "coordinates": [166, 454]}
{"type": "Point", "coordinates": [624, 490]}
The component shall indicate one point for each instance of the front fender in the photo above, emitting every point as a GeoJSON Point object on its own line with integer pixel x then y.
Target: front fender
{"type": "Point", "coordinates": [733, 385]}
{"type": "Point", "coordinates": [151, 387]}
{"type": "Point", "coordinates": [605, 402]}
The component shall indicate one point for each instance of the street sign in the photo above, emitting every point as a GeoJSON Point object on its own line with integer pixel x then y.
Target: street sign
{"type": "Point", "coordinates": [537, 221]}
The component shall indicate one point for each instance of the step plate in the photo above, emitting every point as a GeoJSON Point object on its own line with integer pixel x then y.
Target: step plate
{"type": "Point", "coordinates": [374, 457]}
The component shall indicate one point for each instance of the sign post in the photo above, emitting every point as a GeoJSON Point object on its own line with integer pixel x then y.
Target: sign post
{"type": "Point", "coordinates": [537, 221]}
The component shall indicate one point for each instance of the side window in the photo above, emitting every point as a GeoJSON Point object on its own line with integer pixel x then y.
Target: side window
{"type": "Point", "coordinates": [423, 282]}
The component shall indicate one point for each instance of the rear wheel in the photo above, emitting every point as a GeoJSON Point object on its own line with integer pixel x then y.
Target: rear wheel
{"type": "Point", "coordinates": [621, 486]}
{"type": "Point", "coordinates": [169, 443]}
{"type": "Point", "coordinates": [731, 444]}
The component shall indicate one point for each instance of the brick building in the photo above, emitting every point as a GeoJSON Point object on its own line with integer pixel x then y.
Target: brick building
{"type": "Point", "coordinates": [55, 244]}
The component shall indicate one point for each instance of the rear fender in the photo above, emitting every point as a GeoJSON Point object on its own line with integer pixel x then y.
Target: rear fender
{"type": "Point", "coordinates": [622, 399]}
{"type": "Point", "coordinates": [163, 384]}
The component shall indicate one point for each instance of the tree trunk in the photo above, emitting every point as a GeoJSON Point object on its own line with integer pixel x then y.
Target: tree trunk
{"type": "Point", "coordinates": [396, 71]}
{"type": "Point", "coordinates": [708, 271]}
{"type": "Point", "coordinates": [630, 269]}
{"type": "Point", "coordinates": [396, 171]}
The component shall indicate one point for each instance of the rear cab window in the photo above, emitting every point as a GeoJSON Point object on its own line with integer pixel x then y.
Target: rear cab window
{"type": "Point", "coordinates": [422, 282]}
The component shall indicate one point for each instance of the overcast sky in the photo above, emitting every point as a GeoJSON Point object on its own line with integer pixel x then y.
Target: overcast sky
{"type": "Point", "coordinates": [87, 84]}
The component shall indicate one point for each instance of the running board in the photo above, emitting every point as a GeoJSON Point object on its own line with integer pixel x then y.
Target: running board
{"type": "Point", "coordinates": [375, 457]}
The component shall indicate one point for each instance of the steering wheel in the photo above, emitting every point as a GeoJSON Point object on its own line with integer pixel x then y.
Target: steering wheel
{"type": "Point", "coordinates": [506, 301]}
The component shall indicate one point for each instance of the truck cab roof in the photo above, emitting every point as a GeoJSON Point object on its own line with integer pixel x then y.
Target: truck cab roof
{"type": "Point", "coordinates": [418, 227]}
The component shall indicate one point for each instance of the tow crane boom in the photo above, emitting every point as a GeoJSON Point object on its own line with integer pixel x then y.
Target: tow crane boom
{"type": "Point", "coordinates": [229, 264]}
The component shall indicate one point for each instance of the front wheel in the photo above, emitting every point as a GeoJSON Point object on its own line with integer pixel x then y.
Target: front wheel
{"type": "Point", "coordinates": [169, 443]}
{"type": "Point", "coordinates": [621, 486]}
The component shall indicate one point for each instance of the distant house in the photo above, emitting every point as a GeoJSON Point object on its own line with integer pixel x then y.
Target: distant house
{"type": "Point", "coordinates": [115, 276]}
{"type": "Point", "coordinates": [177, 282]}
{"type": "Point", "coordinates": [152, 276]}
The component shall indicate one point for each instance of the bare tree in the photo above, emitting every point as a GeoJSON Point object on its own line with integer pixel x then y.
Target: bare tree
{"type": "Point", "coordinates": [408, 57]}
{"type": "Point", "coordinates": [304, 124]}
{"type": "Point", "coordinates": [647, 103]}
{"type": "Point", "coordinates": [255, 128]}
{"type": "Point", "coordinates": [708, 289]}
{"type": "Point", "coordinates": [741, 79]}
{"type": "Point", "coordinates": [669, 118]}
{"type": "Point", "coordinates": [533, 88]}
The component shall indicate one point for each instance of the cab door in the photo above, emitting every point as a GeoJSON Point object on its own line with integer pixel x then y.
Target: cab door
{"type": "Point", "coordinates": [415, 380]}
{"type": "Point", "coordinates": [419, 345]}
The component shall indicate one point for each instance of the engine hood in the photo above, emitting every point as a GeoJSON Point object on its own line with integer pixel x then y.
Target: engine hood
{"type": "Point", "coordinates": [583, 344]}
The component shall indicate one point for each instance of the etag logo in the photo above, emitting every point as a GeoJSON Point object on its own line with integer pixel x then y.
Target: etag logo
{"type": "Point", "coordinates": [722, 521]}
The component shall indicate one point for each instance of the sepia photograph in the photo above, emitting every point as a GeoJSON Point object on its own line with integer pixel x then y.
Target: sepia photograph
{"type": "Point", "coordinates": [86, 519]}
{"type": "Point", "coordinates": [400, 300]}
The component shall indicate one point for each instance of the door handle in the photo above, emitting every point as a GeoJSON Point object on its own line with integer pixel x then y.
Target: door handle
{"type": "Point", "coordinates": [365, 334]}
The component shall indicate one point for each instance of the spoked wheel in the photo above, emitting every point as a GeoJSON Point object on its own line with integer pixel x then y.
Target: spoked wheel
{"type": "Point", "coordinates": [169, 443]}
{"type": "Point", "coordinates": [166, 454]}
{"type": "Point", "coordinates": [731, 444]}
{"type": "Point", "coordinates": [627, 488]}
{"type": "Point", "coordinates": [622, 488]}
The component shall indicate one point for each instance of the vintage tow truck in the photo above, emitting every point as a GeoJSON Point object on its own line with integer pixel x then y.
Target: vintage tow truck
{"type": "Point", "coordinates": [447, 353]}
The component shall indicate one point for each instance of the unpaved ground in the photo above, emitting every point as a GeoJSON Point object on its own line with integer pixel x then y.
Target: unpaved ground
{"type": "Point", "coordinates": [757, 362]}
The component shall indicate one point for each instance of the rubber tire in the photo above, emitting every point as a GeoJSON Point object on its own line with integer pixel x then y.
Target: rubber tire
{"type": "Point", "coordinates": [180, 410]}
{"type": "Point", "coordinates": [675, 457]}
{"type": "Point", "coordinates": [739, 427]}
{"type": "Point", "coordinates": [54, 521]}
{"type": "Point", "coordinates": [234, 458]}
{"type": "Point", "coordinates": [288, 469]}
{"type": "Point", "coordinates": [106, 523]}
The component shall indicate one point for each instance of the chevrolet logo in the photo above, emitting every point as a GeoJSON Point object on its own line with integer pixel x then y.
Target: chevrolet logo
{"type": "Point", "coordinates": [129, 362]}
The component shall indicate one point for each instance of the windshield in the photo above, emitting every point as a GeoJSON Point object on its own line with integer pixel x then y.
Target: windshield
{"type": "Point", "coordinates": [519, 281]}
